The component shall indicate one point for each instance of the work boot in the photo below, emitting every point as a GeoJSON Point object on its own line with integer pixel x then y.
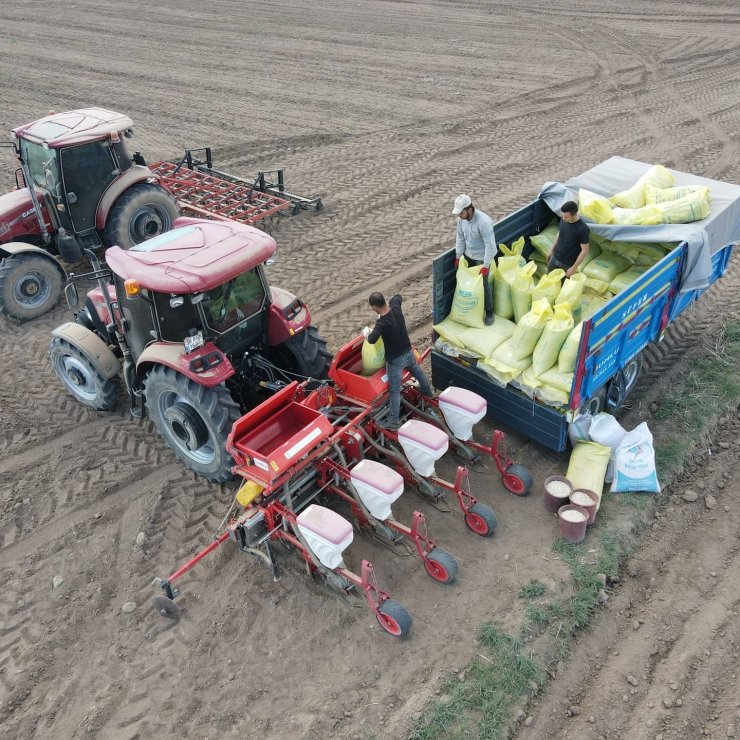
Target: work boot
{"type": "Point", "coordinates": [391, 426]}
{"type": "Point", "coordinates": [489, 319]}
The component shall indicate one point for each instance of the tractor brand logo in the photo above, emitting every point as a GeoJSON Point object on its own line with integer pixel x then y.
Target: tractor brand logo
{"type": "Point", "coordinates": [27, 213]}
{"type": "Point", "coordinates": [4, 229]}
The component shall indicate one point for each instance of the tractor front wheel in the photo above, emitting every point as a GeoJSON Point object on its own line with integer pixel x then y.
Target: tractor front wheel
{"type": "Point", "coordinates": [193, 420]}
{"type": "Point", "coordinates": [81, 378]}
{"type": "Point", "coordinates": [30, 285]}
{"type": "Point", "coordinates": [144, 211]}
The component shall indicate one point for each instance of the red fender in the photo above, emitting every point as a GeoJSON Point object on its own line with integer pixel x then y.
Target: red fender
{"type": "Point", "coordinates": [286, 316]}
{"type": "Point", "coordinates": [216, 368]}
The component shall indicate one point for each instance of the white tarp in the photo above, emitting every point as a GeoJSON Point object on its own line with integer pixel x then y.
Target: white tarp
{"type": "Point", "coordinates": [704, 238]}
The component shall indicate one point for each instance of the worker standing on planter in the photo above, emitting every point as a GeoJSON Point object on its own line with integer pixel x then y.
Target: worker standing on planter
{"type": "Point", "coordinates": [475, 239]}
{"type": "Point", "coordinates": [399, 355]}
{"type": "Point", "coordinates": [570, 247]}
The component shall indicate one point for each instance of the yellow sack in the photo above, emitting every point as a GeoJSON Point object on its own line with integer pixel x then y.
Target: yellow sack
{"type": "Point", "coordinates": [521, 290]}
{"type": "Point", "coordinates": [658, 176]}
{"type": "Point", "coordinates": [606, 267]}
{"type": "Point", "coordinates": [556, 331]}
{"type": "Point", "coordinates": [543, 241]}
{"type": "Point", "coordinates": [451, 332]}
{"type": "Point", "coordinates": [655, 195]}
{"type": "Point", "coordinates": [568, 355]}
{"type": "Point", "coordinates": [553, 377]}
{"type": "Point", "coordinates": [506, 269]}
{"type": "Point", "coordinates": [549, 286]}
{"type": "Point", "coordinates": [484, 341]}
{"type": "Point", "coordinates": [503, 365]}
{"type": "Point", "coordinates": [467, 303]}
{"type": "Point", "coordinates": [690, 208]}
{"type": "Point", "coordinates": [654, 252]}
{"type": "Point", "coordinates": [528, 382]}
{"type": "Point", "coordinates": [592, 303]}
{"type": "Point", "coordinates": [529, 329]}
{"type": "Point", "coordinates": [645, 216]}
{"type": "Point", "coordinates": [516, 248]}
{"type": "Point", "coordinates": [594, 207]}
{"type": "Point", "coordinates": [373, 357]}
{"type": "Point", "coordinates": [587, 467]}
{"type": "Point", "coordinates": [552, 396]}
{"type": "Point", "coordinates": [594, 252]}
{"type": "Point", "coordinates": [625, 279]}
{"type": "Point", "coordinates": [572, 293]}
{"type": "Point", "coordinates": [628, 250]}
{"type": "Point", "coordinates": [595, 286]}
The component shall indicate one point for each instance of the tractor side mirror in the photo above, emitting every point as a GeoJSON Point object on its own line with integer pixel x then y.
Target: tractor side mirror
{"type": "Point", "coordinates": [70, 293]}
{"type": "Point", "coordinates": [270, 262]}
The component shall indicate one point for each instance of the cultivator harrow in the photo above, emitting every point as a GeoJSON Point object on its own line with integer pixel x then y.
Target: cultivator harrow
{"type": "Point", "coordinates": [312, 448]}
{"type": "Point", "coordinates": [205, 192]}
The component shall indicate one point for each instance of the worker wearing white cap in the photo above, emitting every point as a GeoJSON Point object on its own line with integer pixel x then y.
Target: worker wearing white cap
{"type": "Point", "coordinates": [476, 240]}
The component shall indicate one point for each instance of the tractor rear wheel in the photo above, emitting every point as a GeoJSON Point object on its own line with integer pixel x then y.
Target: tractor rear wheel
{"type": "Point", "coordinates": [30, 285]}
{"type": "Point", "coordinates": [145, 210]}
{"type": "Point", "coordinates": [304, 354]}
{"type": "Point", "coordinates": [193, 420]}
{"type": "Point", "coordinates": [80, 377]}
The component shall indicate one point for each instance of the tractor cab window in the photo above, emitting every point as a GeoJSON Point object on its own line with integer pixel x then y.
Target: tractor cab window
{"type": "Point", "coordinates": [87, 171]}
{"type": "Point", "coordinates": [43, 165]}
{"type": "Point", "coordinates": [235, 301]}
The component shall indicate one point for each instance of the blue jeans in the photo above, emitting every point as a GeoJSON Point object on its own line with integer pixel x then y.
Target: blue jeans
{"type": "Point", "coordinates": [395, 369]}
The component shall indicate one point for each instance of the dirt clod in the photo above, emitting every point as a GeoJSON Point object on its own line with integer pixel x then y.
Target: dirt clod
{"type": "Point", "coordinates": [690, 496]}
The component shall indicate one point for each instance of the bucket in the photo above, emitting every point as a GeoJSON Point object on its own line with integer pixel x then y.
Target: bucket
{"type": "Point", "coordinates": [580, 496]}
{"type": "Point", "coordinates": [557, 491]}
{"type": "Point", "coordinates": [573, 531]}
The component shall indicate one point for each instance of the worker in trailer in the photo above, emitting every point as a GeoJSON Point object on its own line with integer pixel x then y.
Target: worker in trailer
{"type": "Point", "coordinates": [475, 239]}
{"type": "Point", "coordinates": [570, 247]}
{"type": "Point", "coordinates": [391, 326]}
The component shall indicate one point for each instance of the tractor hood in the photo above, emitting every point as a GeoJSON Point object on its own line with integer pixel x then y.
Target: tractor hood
{"type": "Point", "coordinates": [17, 216]}
{"type": "Point", "coordinates": [197, 255]}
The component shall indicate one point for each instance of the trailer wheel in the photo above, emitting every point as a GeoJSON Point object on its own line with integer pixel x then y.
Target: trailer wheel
{"type": "Point", "coordinates": [304, 354]}
{"type": "Point", "coordinates": [595, 404]}
{"type": "Point", "coordinates": [193, 420]}
{"type": "Point", "coordinates": [441, 565]}
{"type": "Point", "coordinates": [30, 285]}
{"type": "Point", "coordinates": [80, 377]}
{"type": "Point", "coordinates": [517, 480]}
{"type": "Point", "coordinates": [631, 373]}
{"type": "Point", "coordinates": [145, 210]}
{"type": "Point", "coordinates": [394, 618]}
{"type": "Point", "coordinates": [481, 520]}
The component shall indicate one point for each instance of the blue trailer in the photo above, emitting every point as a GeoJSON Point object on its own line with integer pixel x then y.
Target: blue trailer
{"type": "Point", "coordinates": [612, 340]}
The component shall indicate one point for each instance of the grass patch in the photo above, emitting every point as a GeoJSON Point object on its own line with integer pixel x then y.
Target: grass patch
{"type": "Point", "coordinates": [480, 703]}
{"type": "Point", "coordinates": [532, 590]}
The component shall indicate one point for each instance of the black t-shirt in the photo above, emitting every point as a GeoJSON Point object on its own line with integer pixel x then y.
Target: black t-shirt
{"type": "Point", "coordinates": [392, 327]}
{"type": "Point", "coordinates": [570, 238]}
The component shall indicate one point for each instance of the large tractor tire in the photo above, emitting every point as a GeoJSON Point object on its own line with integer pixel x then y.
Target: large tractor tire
{"type": "Point", "coordinates": [30, 285]}
{"type": "Point", "coordinates": [305, 354]}
{"type": "Point", "coordinates": [80, 377]}
{"type": "Point", "coordinates": [193, 420]}
{"type": "Point", "coordinates": [144, 211]}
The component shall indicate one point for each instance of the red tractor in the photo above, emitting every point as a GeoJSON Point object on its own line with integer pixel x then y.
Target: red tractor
{"type": "Point", "coordinates": [188, 319]}
{"type": "Point", "coordinates": [78, 189]}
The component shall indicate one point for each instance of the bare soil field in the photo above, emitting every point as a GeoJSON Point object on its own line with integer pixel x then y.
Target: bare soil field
{"type": "Point", "coordinates": [387, 110]}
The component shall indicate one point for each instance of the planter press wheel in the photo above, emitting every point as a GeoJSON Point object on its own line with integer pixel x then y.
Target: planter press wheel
{"type": "Point", "coordinates": [166, 607]}
{"type": "Point", "coordinates": [441, 565]}
{"type": "Point", "coordinates": [394, 618]}
{"type": "Point", "coordinates": [517, 480]}
{"type": "Point", "coordinates": [481, 520]}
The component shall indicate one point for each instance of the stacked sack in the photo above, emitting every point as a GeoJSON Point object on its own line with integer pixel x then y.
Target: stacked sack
{"type": "Point", "coordinates": [651, 200]}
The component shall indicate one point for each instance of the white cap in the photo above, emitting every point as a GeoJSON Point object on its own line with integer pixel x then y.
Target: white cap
{"type": "Point", "coordinates": [461, 203]}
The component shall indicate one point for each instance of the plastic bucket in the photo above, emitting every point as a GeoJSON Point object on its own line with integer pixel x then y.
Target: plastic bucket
{"type": "Point", "coordinates": [554, 499]}
{"type": "Point", "coordinates": [591, 508]}
{"type": "Point", "coordinates": [573, 522]}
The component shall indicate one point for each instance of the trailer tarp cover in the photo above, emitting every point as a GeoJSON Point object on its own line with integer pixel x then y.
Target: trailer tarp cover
{"type": "Point", "coordinates": [704, 238]}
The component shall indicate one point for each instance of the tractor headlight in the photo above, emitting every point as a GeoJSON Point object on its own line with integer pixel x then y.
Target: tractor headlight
{"type": "Point", "coordinates": [176, 301]}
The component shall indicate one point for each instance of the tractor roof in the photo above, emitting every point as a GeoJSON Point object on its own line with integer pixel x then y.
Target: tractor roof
{"type": "Point", "coordinates": [197, 255]}
{"type": "Point", "coordinates": [74, 127]}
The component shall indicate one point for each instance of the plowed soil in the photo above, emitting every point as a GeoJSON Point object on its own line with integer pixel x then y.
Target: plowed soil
{"type": "Point", "coordinates": [387, 110]}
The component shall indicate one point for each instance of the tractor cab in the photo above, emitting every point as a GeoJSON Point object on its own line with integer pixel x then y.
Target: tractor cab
{"type": "Point", "coordinates": [201, 282]}
{"type": "Point", "coordinates": [73, 158]}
